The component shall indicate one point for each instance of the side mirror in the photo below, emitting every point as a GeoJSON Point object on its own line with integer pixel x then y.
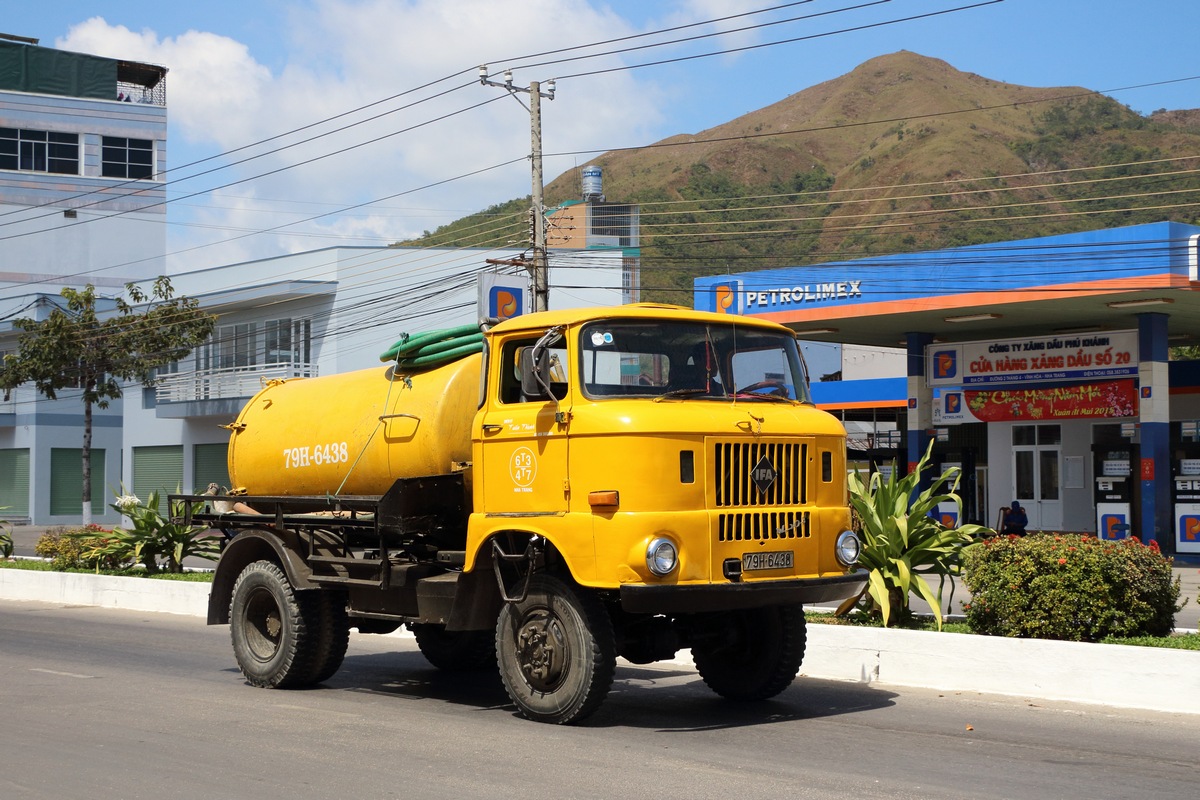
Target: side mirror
{"type": "Point", "coordinates": [534, 377]}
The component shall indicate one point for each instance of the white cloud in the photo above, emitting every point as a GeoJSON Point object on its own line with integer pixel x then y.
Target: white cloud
{"type": "Point", "coordinates": [342, 54]}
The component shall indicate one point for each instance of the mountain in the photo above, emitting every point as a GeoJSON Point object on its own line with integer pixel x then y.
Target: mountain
{"type": "Point", "coordinates": [903, 153]}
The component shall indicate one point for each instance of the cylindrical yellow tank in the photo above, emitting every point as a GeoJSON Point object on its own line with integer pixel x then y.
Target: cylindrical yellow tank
{"type": "Point", "coordinates": [354, 433]}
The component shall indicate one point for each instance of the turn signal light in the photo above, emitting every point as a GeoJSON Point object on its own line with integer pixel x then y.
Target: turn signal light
{"type": "Point", "coordinates": [604, 499]}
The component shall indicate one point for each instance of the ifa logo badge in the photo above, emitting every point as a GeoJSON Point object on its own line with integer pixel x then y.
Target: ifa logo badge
{"type": "Point", "coordinates": [1189, 528]}
{"type": "Point", "coordinates": [505, 302]}
{"type": "Point", "coordinates": [1113, 526]}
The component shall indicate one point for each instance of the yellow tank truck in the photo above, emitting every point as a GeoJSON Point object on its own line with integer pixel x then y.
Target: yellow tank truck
{"type": "Point", "coordinates": [592, 483]}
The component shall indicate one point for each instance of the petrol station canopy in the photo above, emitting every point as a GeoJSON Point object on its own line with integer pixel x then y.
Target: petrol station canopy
{"type": "Point", "coordinates": [1093, 281]}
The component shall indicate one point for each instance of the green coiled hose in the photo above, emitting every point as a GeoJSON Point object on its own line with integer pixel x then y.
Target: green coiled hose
{"type": "Point", "coordinates": [435, 348]}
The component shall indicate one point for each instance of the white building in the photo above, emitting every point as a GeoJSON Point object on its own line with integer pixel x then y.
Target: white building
{"type": "Point", "coordinates": [82, 149]}
{"type": "Point", "coordinates": [82, 153]}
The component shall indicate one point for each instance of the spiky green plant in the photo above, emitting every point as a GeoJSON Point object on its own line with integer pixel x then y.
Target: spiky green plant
{"type": "Point", "coordinates": [903, 542]}
{"type": "Point", "coordinates": [6, 542]}
{"type": "Point", "coordinates": [153, 537]}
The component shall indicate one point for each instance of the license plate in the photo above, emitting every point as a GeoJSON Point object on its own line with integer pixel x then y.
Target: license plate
{"type": "Point", "coordinates": [772, 559]}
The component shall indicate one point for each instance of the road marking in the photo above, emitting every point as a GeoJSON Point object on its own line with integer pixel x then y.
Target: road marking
{"type": "Point", "coordinates": [56, 672]}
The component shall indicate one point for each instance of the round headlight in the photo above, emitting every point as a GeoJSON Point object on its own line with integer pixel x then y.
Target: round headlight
{"type": "Point", "coordinates": [848, 548]}
{"type": "Point", "coordinates": [661, 557]}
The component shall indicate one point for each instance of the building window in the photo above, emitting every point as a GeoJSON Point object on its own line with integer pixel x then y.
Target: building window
{"type": "Point", "coordinates": [233, 346]}
{"type": "Point", "coordinates": [39, 151]}
{"type": "Point", "coordinates": [127, 158]}
{"type": "Point", "coordinates": [288, 341]}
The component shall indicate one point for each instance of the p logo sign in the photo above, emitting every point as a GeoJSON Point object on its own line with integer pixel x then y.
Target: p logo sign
{"type": "Point", "coordinates": [945, 364]}
{"type": "Point", "coordinates": [505, 302]}
{"type": "Point", "coordinates": [725, 300]}
{"type": "Point", "coordinates": [1189, 528]}
{"type": "Point", "coordinates": [1113, 527]}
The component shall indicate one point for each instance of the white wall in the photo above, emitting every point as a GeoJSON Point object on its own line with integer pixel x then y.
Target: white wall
{"type": "Point", "coordinates": [860, 362]}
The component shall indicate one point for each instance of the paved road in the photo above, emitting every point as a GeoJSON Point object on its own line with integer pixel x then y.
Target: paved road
{"type": "Point", "coordinates": [111, 704]}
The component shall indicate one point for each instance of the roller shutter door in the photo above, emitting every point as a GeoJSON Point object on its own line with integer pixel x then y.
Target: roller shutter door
{"type": "Point", "coordinates": [157, 469]}
{"type": "Point", "coordinates": [14, 483]}
{"type": "Point", "coordinates": [210, 465]}
{"type": "Point", "coordinates": [66, 482]}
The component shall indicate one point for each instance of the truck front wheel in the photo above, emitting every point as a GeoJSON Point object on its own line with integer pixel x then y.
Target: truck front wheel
{"type": "Point", "coordinates": [556, 651]}
{"type": "Point", "coordinates": [275, 630]}
{"type": "Point", "coordinates": [751, 654]}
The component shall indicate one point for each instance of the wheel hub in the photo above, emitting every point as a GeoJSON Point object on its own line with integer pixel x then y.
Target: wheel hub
{"type": "Point", "coordinates": [264, 625]}
{"type": "Point", "coordinates": [542, 651]}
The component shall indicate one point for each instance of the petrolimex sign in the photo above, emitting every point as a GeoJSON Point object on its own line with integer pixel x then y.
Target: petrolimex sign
{"type": "Point", "coordinates": [738, 297]}
{"type": "Point", "coordinates": [1040, 359]}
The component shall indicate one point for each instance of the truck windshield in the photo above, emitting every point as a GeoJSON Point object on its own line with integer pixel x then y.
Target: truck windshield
{"type": "Point", "coordinates": [676, 359]}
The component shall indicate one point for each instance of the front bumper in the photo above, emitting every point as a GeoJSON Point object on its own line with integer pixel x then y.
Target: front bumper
{"type": "Point", "coordinates": [673, 599]}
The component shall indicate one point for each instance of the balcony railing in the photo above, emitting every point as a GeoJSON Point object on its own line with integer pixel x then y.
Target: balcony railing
{"type": "Point", "coordinates": [231, 382]}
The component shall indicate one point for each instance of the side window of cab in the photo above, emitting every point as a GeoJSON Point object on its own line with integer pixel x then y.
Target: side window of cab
{"type": "Point", "coordinates": [511, 372]}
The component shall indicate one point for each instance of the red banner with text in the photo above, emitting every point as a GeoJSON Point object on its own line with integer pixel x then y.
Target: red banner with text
{"type": "Point", "coordinates": [1083, 401]}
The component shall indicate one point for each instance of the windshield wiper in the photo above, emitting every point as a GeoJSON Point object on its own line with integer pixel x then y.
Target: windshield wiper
{"type": "Point", "coordinates": [680, 393]}
{"type": "Point", "coordinates": [775, 398]}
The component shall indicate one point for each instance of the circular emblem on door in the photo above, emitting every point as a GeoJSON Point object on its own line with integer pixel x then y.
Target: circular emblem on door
{"type": "Point", "coordinates": [522, 466]}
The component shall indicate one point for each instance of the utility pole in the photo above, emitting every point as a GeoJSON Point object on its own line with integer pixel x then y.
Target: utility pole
{"type": "Point", "coordinates": [539, 267]}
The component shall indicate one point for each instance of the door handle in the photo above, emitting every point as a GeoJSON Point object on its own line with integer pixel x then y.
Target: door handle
{"type": "Point", "coordinates": [492, 428]}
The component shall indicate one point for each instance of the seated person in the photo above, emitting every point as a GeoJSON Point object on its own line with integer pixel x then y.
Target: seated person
{"type": "Point", "coordinates": [1015, 520]}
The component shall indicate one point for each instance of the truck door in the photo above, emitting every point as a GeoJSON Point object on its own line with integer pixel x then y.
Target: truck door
{"type": "Point", "coordinates": [524, 438]}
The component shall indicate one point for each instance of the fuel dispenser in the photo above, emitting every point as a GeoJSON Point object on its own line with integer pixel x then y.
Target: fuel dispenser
{"type": "Point", "coordinates": [1185, 496]}
{"type": "Point", "coordinates": [1113, 489]}
{"type": "Point", "coordinates": [964, 459]}
{"type": "Point", "coordinates": [882, 459]}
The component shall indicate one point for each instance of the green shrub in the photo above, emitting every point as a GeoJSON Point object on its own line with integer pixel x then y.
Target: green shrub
{"type": "Point", "coordinates": [72, 548]}
{"type": "Point", "coordinates": [1071, 587]}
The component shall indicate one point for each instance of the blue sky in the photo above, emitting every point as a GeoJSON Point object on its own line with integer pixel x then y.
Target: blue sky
{"type": "Point", "coordinates": [241, 72]}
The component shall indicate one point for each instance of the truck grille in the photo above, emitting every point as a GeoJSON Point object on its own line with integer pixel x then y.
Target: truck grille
{"type": "Point", "coordinates": [760, 473]}
{"type": "Point", "coordinates": [757, 526]}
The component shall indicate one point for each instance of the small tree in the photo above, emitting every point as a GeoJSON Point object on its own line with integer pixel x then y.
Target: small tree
{"type": "Point", "coordinates": [77, 348]}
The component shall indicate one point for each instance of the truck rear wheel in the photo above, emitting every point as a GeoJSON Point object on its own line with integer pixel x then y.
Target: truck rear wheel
{"type": "Point", "coordinates": [456, 651]}
{"type": "Point", "coordinates": [556, 651]}
{"type": "Point", "coordinates": [275, 629]}
{"type": "Point", "coordinates": [758, 654]}
{"type": "Point", "coordinates": [333, 635]}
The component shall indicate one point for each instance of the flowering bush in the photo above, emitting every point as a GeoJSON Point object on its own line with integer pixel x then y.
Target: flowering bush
{"type": "Point", "coordinates": [1072, 587]}
{"type": "Point", "coordinates": [67, 548]}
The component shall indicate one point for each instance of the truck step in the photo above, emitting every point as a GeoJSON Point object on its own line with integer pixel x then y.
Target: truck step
{"type": "Point", "coordinates": [340, 581]}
